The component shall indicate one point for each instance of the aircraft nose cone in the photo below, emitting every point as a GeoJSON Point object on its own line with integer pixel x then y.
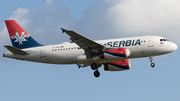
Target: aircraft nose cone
{"type": "Point", "coordinates": [175, 46]}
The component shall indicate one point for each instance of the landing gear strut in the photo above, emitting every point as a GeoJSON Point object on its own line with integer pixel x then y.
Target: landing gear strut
{"type": "Point", "coordinates": [151, 60]}
{"type": "Point", "coordinates": [94, 66]}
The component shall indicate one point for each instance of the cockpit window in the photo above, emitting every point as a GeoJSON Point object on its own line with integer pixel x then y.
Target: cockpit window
{"type": "Point", "coordinates": [164, 40]}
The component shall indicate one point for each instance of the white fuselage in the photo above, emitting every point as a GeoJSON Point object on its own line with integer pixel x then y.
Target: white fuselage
{"type": "Point", "coordinates": [66, 53]}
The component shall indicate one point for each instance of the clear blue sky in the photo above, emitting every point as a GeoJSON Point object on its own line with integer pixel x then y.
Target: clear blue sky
{"type": "Point", "coordinates": [27, 81]}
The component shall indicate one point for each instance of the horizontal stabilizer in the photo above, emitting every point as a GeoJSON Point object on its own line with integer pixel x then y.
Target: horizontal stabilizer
{"type": "Point", "coordinates": [16, 50]}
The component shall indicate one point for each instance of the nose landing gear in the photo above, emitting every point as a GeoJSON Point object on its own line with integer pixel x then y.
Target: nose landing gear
{"type": "Point", "coordinates": [151, 60]}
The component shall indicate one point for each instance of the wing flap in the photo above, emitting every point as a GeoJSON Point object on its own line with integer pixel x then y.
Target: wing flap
{"type": "Point", "coordinates": [16, 50]}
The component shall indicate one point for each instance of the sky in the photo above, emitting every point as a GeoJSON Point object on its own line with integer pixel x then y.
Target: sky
{"type": "Point", "coordinates": [42, 19]}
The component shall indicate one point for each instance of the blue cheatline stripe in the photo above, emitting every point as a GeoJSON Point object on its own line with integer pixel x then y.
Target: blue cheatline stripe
{"type": "Point", "coordinates": [29, 43]}
{"type": "Point", "coordinates": [115, 54]}
{"type": "Point", "coordinates": [120, 66]}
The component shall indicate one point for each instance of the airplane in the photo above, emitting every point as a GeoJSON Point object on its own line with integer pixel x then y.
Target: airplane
{"type": "Point", "coordinates": [114, 54]}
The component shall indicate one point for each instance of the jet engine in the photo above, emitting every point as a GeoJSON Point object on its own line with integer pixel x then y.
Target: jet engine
{"type": "Point", "coordinates": [117, 66]}
{"type": "Point", "coordinates": [116, 53]}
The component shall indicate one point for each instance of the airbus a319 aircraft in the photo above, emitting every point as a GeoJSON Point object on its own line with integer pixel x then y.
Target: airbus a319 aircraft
{"type": "Point", "coordinates": [114, 54]}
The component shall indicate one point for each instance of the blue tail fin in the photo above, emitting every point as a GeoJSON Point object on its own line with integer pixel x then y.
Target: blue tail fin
{"type": "Point", "coordinates": [19, 37]}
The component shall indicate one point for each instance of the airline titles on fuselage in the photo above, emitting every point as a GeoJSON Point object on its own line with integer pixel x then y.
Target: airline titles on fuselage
{"type": "Point", "coordinates": [122, 43]}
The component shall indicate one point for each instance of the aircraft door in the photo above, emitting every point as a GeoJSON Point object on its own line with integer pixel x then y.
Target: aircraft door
{"type": "Point", "coordinates": [150, 41]}
{"type": "Point", "coordinates": [43, 52]}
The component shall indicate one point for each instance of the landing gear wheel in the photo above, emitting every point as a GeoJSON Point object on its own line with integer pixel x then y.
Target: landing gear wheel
{"type": "Point", "coordinates": [152, 65]}
{"type": "Point", "coordinates": [96, 73]}
{"type": "Point", "coordinates": [93, 66]}
{"type": "Point", "coordinates": [151, 60]}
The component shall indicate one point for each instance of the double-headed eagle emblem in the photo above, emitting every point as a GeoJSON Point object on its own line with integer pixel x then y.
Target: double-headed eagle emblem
{"type": "Point", "coordinates": [20, 39]}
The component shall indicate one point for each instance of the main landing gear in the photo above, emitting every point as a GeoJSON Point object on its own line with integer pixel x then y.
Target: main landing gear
{"type": "Point", "coordinates": [151, 60]}
{"type": "Point", "coordinates": [94, 66]}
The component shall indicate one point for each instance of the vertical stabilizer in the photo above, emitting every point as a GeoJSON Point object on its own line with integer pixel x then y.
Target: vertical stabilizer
{"type": "Point", "coordinates": [19, 37]}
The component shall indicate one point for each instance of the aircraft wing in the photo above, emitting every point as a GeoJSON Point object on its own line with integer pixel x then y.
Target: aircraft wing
{"type": "Point", "coordinates": [90, 47]}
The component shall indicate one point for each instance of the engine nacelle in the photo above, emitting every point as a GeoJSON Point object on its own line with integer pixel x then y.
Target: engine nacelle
{"type": "Point", "coordinates": [116, 53]}
{"type": "Point", "coordinates": [117, 66]}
